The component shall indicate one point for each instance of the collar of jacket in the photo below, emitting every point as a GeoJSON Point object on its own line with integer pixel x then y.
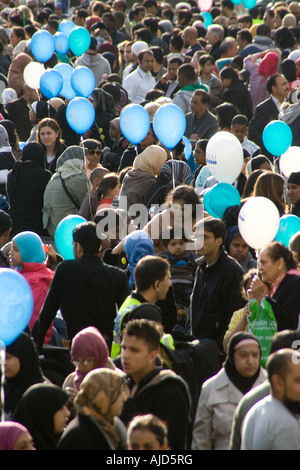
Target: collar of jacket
{"type": "Point", "coordinates": [201, 262]}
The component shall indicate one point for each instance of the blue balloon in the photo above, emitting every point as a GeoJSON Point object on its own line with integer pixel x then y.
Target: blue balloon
{"type": "Point", "coordinates": [220, 197]}
{"type": "Point", "coordinates": [288, 226]}
{"type": "Point", "coordinates": [277, 137]}
{"type": "Point", "coordinates": [80, 114]}
{"type": "Point", "coordinates": [66, 27]}
{"type": "Point", "coordinates": [66, 71]}
{"type": "Point", "coordinates": [208, 19]}
{"type": "Point", "coordinates": [249, 4]}
{"type": "Point", "coordinates": [61, 43]}
{"type": "Point", "coordinates": [42, 45]}
{"type": "Point", "coordinates": [16, 304]}
{"type": "Point", "coordinates": [188, 149]}
{"type": "Point", "coordinates": [63, 236]}
{"type": "Point", "coordinates": [169, 125]}
{"type": "Point", "coordinates": [83, 81]}
{"type": "Point", "coordinates": [134, 123]}
{"type": "Point", "coordinates": [79, 40]}
{"type": "Point", "coordinates": [206, 204]}
{"type": "Point", "coordinates": [51, 83]}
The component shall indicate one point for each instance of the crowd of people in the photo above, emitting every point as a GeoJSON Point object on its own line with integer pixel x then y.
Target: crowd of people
{"type": "Point", "coordinates": [143, 339]}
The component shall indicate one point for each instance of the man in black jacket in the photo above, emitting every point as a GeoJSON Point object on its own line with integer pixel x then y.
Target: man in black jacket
{"type": "Point", "coordinates": [217, 287]}
{"type": "Point", "coordinates": [85, 289]}
{"type": "Point", "coordinates": [153, 389]}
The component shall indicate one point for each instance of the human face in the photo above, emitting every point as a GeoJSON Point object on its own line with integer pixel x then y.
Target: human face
{"type": "Point", "coordinates": [238, 249]}
{"type": "Point", "coordinates": [93, 157]}
{"type": "Point", "coordinates": [143, 439]}
{"type": "Point", "coordinates": [211, 246]}
{"type": "Point", "coordinates": [127, 54]}
{"type": "Point", "coordinates": [172, 71]}
{"type": "Point", "coordinates": [207, 68]}
{"type": "Point", "coordinates": [199, 155]}
{"type": "Point", "coordinates": [163, 286]}
{"type": "Point", "coordinates": [181, 80]}
{"type": "Point", "coordinates": [137, 360]}
{"type": "Point", "coordinates": [147, 62]}
{"type": "Point", "coordinates": [12, 366]}
{"type": "Point", "coordinates": [269, 270]}
{"type": "Point", "coordinates": [24, 442]}
{"type": "Point", "coordinates": [196, 105]}
{"type": "Point", "coordinates": [240, 131]}
{"type": "Point", "coordinates": [226, 82]}
{"type": "Point", "coordinates": [15, 255]}
{"type": "Point", "coordinates": [281, 88]}
{"type": "Point", "coordinates": [291, 386]}
{"type": "Point", "coordinates": [117, 406]}
{"type": "Point", "coordinates": [211, 37]}
{"type": "Point", "coordinates": [246, 359]}
{"type": "Point", "coordinates": [48, 136]}
{"type": "Point", "coordinates": [176, 247]}
{"type": "Point", "coordinates": [13, 38]}
{"type": "Point", "coordinates": [298, 69]}
{"type": "Point", "coordinates": [293, 193]}
{"type": "Point", "coordinates": [60, 419]}
{"type": "Point", "coordinates": [269, 20]}
{"type": "Point", "coordinates": [84, 365]}
{"type": "Point", "coordinates": [148, 140]}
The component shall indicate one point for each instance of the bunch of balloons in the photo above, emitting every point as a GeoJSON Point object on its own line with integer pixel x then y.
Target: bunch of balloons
{"type": "Point", "coordinates": [68, 37]}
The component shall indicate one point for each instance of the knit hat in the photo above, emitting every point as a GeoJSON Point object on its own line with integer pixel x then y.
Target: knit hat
{"type": "Point", "coordinates": [30, 246]}
{"type": "Point", "coordinates": [294, 178]}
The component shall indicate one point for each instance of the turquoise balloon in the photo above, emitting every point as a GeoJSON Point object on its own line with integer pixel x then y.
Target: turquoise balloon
{"type": "Point", "coordinates": [220, 197]}
{"type": "Point", "coordinates": [83, 81]}
{"type": "Point", "coordinates": [66, 71]}
{"type": "Point", "coordinates": [16, 304]}
{"type": "Point", "coordinates": [66, 27]}
{"type": "Point", "coordinates": [63, 236]}
{"type": "Point", "coordinates": [208, 19]}
{"type": "Point", "coordinates": [61, 43]}
{"type": "Point", "coordinates": [80, 115]}
{"type": "Point", "coordinates": [51, 83]}
{"type": "Point", "coordinates": [169, 125]}
{"type": "Point", "coordinates": [249, 4]}
{"type": "Point", "coordinates": [288, 226]}
{"type": "Point", "coordinates": [277, 137]}
{"type": "Point", "coordinates": [134, 123]}
{"type": "Point", "coordinates": [42, 45]}
{"type": "Point", "coordinates": [79, 40]}
{"type": "Point", "coordinates": [206, 204]}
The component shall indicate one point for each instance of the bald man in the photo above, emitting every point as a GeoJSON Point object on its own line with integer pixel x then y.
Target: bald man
{"type": "Point", "coordinates": [190, 39]}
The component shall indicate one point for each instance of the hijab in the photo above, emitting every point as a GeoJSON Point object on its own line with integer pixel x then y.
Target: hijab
{"type": "Point", "coordinates": [244, 384]}
{"type": "Point", "coordinates": [43, 109]}
{"type": "Point", "coordinates": [30, 246]}
{"type": "Point", "coordinates": [8, 95]}
{"type": "Point", "coordinates": [137, 245]}
{"type": "Point", "coordinates": [109, 382]}
{"type": "Point", "coordinates": [15, 76]}
{"type": "Point", "coordinates": [9, 434]}
{"type": "Point", "coordinates": [4, 140]}
{"type": "Point", "coordinates": [89, 344]}
{"type": "Point", "coordinates": [34, 152]}
{"type": "Point", "coordinates": [150, 160]}
{"type": "Point", "coordinates": [36, 411]}
{"type": "Point", "coordinates": [269, 64]}
{"type": "Point", "coordinates": [71, 162]}
{"type": "Point", "coordinates": [30, 371]}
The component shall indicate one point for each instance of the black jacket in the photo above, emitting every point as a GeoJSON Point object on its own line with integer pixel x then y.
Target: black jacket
{"type": "Point", "coordinates": [239, 96]}
{"type": "Point", "coordinates": [166, 395]}
{"type": "Point", "coordinates": [265, 112]}
{"type": "Point", "coordinates": [216, 295]}
{"type": "Point", "coordinates": [286, 302]}
{"type": "Point", "coordinates": [86, 290]}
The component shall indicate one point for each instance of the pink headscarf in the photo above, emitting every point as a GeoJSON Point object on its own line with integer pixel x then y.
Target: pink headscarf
{"type": "Point", "coordinates": [9, 433]}
{"type": "Point", "coordinates": [269, 64]}
{"type": "Point", "coordinates": [89, 344]}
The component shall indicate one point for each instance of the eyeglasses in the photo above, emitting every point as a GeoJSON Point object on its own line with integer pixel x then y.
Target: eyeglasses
{"type": "Point", "coordinates": [97, 152]}
{"type": "Point", "coordinates": [82, 362]}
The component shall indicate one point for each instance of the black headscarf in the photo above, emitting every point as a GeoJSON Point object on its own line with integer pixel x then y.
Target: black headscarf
{"type": "Point", "coordinates": [34, 152]}
{"type": "Point", "coordinates": [244, 384]}
{"type": "Point", "coordinates": [30, 372]}
{"type": "Point", "coordinates": [36, 412]}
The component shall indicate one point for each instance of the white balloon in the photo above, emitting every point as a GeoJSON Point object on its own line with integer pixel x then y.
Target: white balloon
{"type": "Point", "coordinates": [258, 221]}
{"type": "Point", "coordinates": [32, 74]}
{"type": "Point", "coordinates": [289, 161]}
{"type": "Point", "coordinates": [224, 157]}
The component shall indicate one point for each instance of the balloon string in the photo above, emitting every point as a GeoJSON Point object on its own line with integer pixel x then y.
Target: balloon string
{"type": "Point", "coordinates": [2, 365]}
{"type": "Point", "coordinates": [173, 175]}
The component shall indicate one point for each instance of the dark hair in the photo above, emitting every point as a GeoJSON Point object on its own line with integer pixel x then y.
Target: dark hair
{"type": "Point", "coordinates": [231, 73]}
{"type": "Point", "coordinates": [284, 339]}
{"type": "Point", "coordinates": [146, 330]}
{"type": "Point", "coordinates": [185, 193]}
{"type": "Point", "coordinates": [272, 82]}
{"type": "Point", "coordinates": [175, 60]}
{"type": "Point", "coordinates": [151, 23]}
{"type": "Point", "coordinates": [19, 31]}
{"type": "Point", "coordinates": [205, 97]}
{"type": "Point", "coordinates": [148, 270]}
{"type": "Point", "coordinates": [206, 58]}
{"type": "Point", "coordinates": [202, 143]}
{"type": "Point", "coordinates": [187, 70]}
{"type": "Point", "coordinates": [143, 34]}
{"type": "Point", "coordinates": [149, 423]}
{"type": "Point", "coordinates": [225, 112]}
{"type": "Point", "coordinates": [53, 124]}
{"type": "Point", "coordinates": [288, 68]}
{"type": "Point", "coordinates": [173, 233]}
{"type": "Point", "coordinates": [276, 250]}
{"type": "Point", "coordinates": [240, 120]}
{"type": "Point", "coordinates": [108, 182]}
{"type": "Point", "coordinates": [158, 53]}
{"type": "Point", "coordinates": [177, 42]}
{"type": "Point", "coordinates": [284, 38]}
{"type": "Point", "coordinates": [86, 235]}
{"type": "Point", "coordinates": [216, 226]}
{"type": "Point", "coordinates": [245, 35]}
{"type": "Point", "coordinates": [278, 363]}
{"type": "Point", "coordinates": [91, 144]}
{"type": "Point", "coordinates": [144, 52]}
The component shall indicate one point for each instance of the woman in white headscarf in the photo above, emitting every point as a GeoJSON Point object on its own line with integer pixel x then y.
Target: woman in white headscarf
{"type": "Point", "coordinates": [67, 188]}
